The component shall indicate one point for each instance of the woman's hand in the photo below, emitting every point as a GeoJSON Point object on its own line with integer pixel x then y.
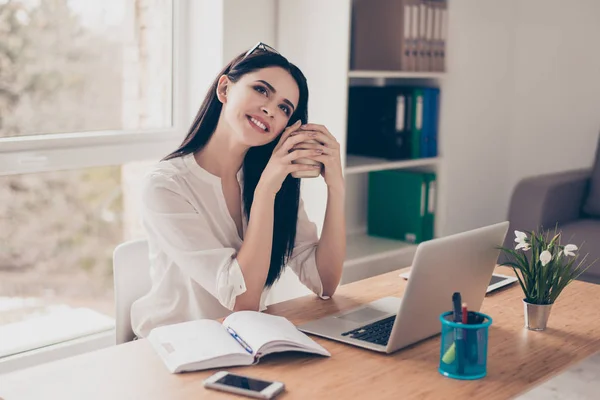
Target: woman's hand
{"type": "Point", "coordinates": [280, 163]}
{"type": "Point", "coordinates": [330, 152]}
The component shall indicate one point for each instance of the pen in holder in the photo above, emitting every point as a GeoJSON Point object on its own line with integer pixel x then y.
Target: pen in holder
{"type": "Point", "coordinates": [463, 353]}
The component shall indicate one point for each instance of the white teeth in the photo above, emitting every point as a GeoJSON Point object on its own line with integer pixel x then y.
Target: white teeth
{"type": "Point", "coordinates": [258, 123]}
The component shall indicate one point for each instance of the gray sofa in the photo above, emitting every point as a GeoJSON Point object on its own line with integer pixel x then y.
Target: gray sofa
{"type": "Point", "coordinates": [570, 199]}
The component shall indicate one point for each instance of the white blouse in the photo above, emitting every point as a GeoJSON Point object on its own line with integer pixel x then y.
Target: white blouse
{"type": "Point", "coordinates": [193, 243]}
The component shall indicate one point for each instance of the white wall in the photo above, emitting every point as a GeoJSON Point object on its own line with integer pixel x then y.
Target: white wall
{"type": "Point", "coordinates": [522, 97]}
{"type": "Point", "coordinates": [314, 35]}
{"type": "Point", "coordinates": [204, 49]}
{"type": "Point", "coordinates": [246, 23]}
{"type": "Point", "coordinates": [557, 86]}
{"type": "Point", "coordinates": [218, 30]}
{"type": "Point", "coordinates": [476, 114]}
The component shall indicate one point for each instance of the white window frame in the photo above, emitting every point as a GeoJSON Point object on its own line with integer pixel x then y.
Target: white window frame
{"type": "Point", "coordinates": [50, 152]}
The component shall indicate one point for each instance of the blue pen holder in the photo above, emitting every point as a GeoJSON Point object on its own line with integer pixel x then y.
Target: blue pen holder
{"type": "Point", "coordinates": [464, 346]}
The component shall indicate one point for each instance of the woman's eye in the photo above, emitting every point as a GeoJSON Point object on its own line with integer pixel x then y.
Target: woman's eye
{"type": "Point", "coordinates": [285, 109]}
{"type": "Point", "coordinates": [261, 89]}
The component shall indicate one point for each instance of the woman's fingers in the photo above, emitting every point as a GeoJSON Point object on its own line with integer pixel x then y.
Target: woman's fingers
{"type": "Point", "coordinates": [318, 128]}
{"type": "Point", "coordinates": [310, 146]}
{"type": "Point", "coordinates": [318, 136]}
{"type": "Point", "coordinates": [292, 141]}
{"type": "Point", "coordinates": [294, 155]}
{"type": "Point", "coordinates": [287, 132]}
{"type": "Point", "coordinates": [323, 158]}
{"type": "Point", "coordinates": [302, 167]}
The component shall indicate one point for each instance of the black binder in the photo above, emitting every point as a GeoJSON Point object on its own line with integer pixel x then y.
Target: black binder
{"type": "Point", "coordinates": [379, 122]}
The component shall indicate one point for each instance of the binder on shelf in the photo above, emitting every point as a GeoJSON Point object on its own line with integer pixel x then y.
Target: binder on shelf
{"type": "Point", "coordinates": [401, 205]}
{"type": "Point", "coordinates": [422, 60]}
{"type": "Point", "coordinates": [430, 35]}
{"type": "Point", "coordinates": [436, 63]}
{"type": "Point", "coordinates": [443, 33]}
{"type": "Point", "coordinates": [378, 35]}
{"type": "Point", "coordinates": [398, 35]}
{"type": "Point", "coordinates": [413, 42]}
{"type": "Point", "coordinates": [393, 122]}
{"type": "Point", "coordinates": [428, 138]}
{"type": "Point", "coordinates": [435, 111]}
{"type": "Point", "coordinates": [406, 61]}
{"type": "Point", "coordinates": [379, 122]}
{"type": "Point", "coordinates": [430, 201]}
{"type": "Point", "coordinates": [416, 122]}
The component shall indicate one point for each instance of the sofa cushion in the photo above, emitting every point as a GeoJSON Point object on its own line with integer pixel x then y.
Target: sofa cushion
{"type": "Point", "coordinates": [585, 234]}
{"type": "Point", "coordinates": [591, 205]}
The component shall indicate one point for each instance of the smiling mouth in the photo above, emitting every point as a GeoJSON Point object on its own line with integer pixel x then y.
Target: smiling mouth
{"type": "Point", "coordinates": [258, 124]}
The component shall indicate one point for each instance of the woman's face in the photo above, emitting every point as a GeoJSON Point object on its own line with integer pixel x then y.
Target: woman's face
{"type": "Point", "coordinates": [259, 105]}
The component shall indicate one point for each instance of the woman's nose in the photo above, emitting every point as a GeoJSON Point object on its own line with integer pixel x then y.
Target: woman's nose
{"type": "Point", "coordinates": [267, 111]}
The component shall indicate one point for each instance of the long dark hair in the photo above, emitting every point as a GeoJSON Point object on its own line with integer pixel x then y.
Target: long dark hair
{"type": "Point", "coordinates": [256, 159]}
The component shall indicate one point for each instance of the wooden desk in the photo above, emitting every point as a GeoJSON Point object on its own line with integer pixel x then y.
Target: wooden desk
{"type": "Point", "coordinates": [518, 359]}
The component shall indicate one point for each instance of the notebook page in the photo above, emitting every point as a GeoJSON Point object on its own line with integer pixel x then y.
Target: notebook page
{"type": "Point", "coordinates": [194, 342]}
{"type": "Point", "coordinates": [259, 329]}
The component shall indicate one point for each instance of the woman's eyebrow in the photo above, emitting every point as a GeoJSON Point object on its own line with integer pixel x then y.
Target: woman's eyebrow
{"type": "Point", "coordinates": [272, 89]}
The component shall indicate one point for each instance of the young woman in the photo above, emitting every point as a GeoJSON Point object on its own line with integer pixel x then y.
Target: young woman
{"type": "Point", "coordinates": [223, 213]}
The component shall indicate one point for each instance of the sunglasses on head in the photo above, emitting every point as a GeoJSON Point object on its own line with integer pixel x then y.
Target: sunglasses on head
{"type": "Point", "coordinates": [261, 46]}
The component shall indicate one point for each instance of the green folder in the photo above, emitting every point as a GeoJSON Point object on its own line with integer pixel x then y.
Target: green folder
{"type": "Point", "coordinates": [399, 206]}
{"type": "Point", "coordinates": [430, 203]}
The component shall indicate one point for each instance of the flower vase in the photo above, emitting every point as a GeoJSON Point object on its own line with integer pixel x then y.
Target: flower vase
{"type": "Point", "coordinates": [536, 315]}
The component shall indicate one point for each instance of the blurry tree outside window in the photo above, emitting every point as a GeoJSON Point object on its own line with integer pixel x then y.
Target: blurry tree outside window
{"type": "Point", "coordinates": [75, 66]}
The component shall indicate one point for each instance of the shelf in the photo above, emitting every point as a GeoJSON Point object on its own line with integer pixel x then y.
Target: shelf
{"type": "Point", "coordinates": [362, 248]}
{"type": "Point", "coordinates": [360, 164]}
{"type": "Point", "coordinates": [396, 74]}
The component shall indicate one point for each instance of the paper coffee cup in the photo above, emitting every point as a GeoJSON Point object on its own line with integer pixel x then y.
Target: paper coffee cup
{"type": "Point", "coordinates": [310, 173]}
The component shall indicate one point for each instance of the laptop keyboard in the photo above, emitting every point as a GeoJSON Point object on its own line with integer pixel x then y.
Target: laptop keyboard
{"type": "Point", "coordinates": [377, 332]}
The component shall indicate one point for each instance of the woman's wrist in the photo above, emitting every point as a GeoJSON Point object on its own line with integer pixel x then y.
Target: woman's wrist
{"type": "Point", "coordinates": [263, 193]}
{"type": "Point", "coordinates": [337, 188]}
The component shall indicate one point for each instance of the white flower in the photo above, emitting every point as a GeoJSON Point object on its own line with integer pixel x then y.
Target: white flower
{"type": "Point", "coordinates": [545, 257]}
{"type": "Point", "coordinates": [520, 236]}
{"type": "Point", "coordinates": [569, 249]}
{"type": "Point", "coordinates": [521, 239]}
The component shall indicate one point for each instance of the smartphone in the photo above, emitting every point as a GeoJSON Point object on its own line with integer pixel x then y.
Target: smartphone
{"type": "Point", "coordinates": [244, 385]}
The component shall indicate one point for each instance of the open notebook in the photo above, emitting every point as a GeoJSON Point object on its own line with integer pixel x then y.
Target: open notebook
{"type": "Point", "coordinates": [242, 339]}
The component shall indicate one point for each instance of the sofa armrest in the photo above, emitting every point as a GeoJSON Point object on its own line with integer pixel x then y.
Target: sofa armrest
{"type": "Point", "coordinates": [545, 200]}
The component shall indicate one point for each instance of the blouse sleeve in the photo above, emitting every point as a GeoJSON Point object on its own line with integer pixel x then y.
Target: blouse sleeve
{"type": "Point", "coordinates": [185, 236]}
{"type": "Point", "coordinates": [303, 260]}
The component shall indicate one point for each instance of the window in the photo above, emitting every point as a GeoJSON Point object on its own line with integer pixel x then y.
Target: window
{"type": "Point", "coordinates": [59, 230]}
{"type": "Point", "coordinates": [89, 98]}
{"type": "Point", "coordinates": [81, 65]}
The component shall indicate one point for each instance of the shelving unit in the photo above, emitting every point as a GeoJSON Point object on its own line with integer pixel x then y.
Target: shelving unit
{"type": "Point", "coordinates": [323, 54]}
{"type": "Point", "coordinates": [363, 248]}
{"type": "Point", "coordinates": [360, 164]}
{"type": "Point", "coordinates": [395, 75]}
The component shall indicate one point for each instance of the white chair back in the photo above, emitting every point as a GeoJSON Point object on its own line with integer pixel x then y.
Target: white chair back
{"type": "Point", "coordinates": [131, 270]}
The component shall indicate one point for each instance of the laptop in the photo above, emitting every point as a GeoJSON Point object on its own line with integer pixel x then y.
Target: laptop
{"type": "Point", "coordinates": [457, 263]}
{"type": "Point", "coordinates": [496, 282]}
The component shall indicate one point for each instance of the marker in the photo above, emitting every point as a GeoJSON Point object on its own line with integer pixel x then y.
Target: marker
{"type": "Point", "coordinates": [465, 321]}
{"type": "Point", "coordinates": [458, 333]}
{"type": "Point", "coordinates": [456, 300]}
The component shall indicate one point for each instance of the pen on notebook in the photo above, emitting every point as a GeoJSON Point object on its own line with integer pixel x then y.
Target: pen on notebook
{"type": "Point", "coordinates": [240, 340]}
